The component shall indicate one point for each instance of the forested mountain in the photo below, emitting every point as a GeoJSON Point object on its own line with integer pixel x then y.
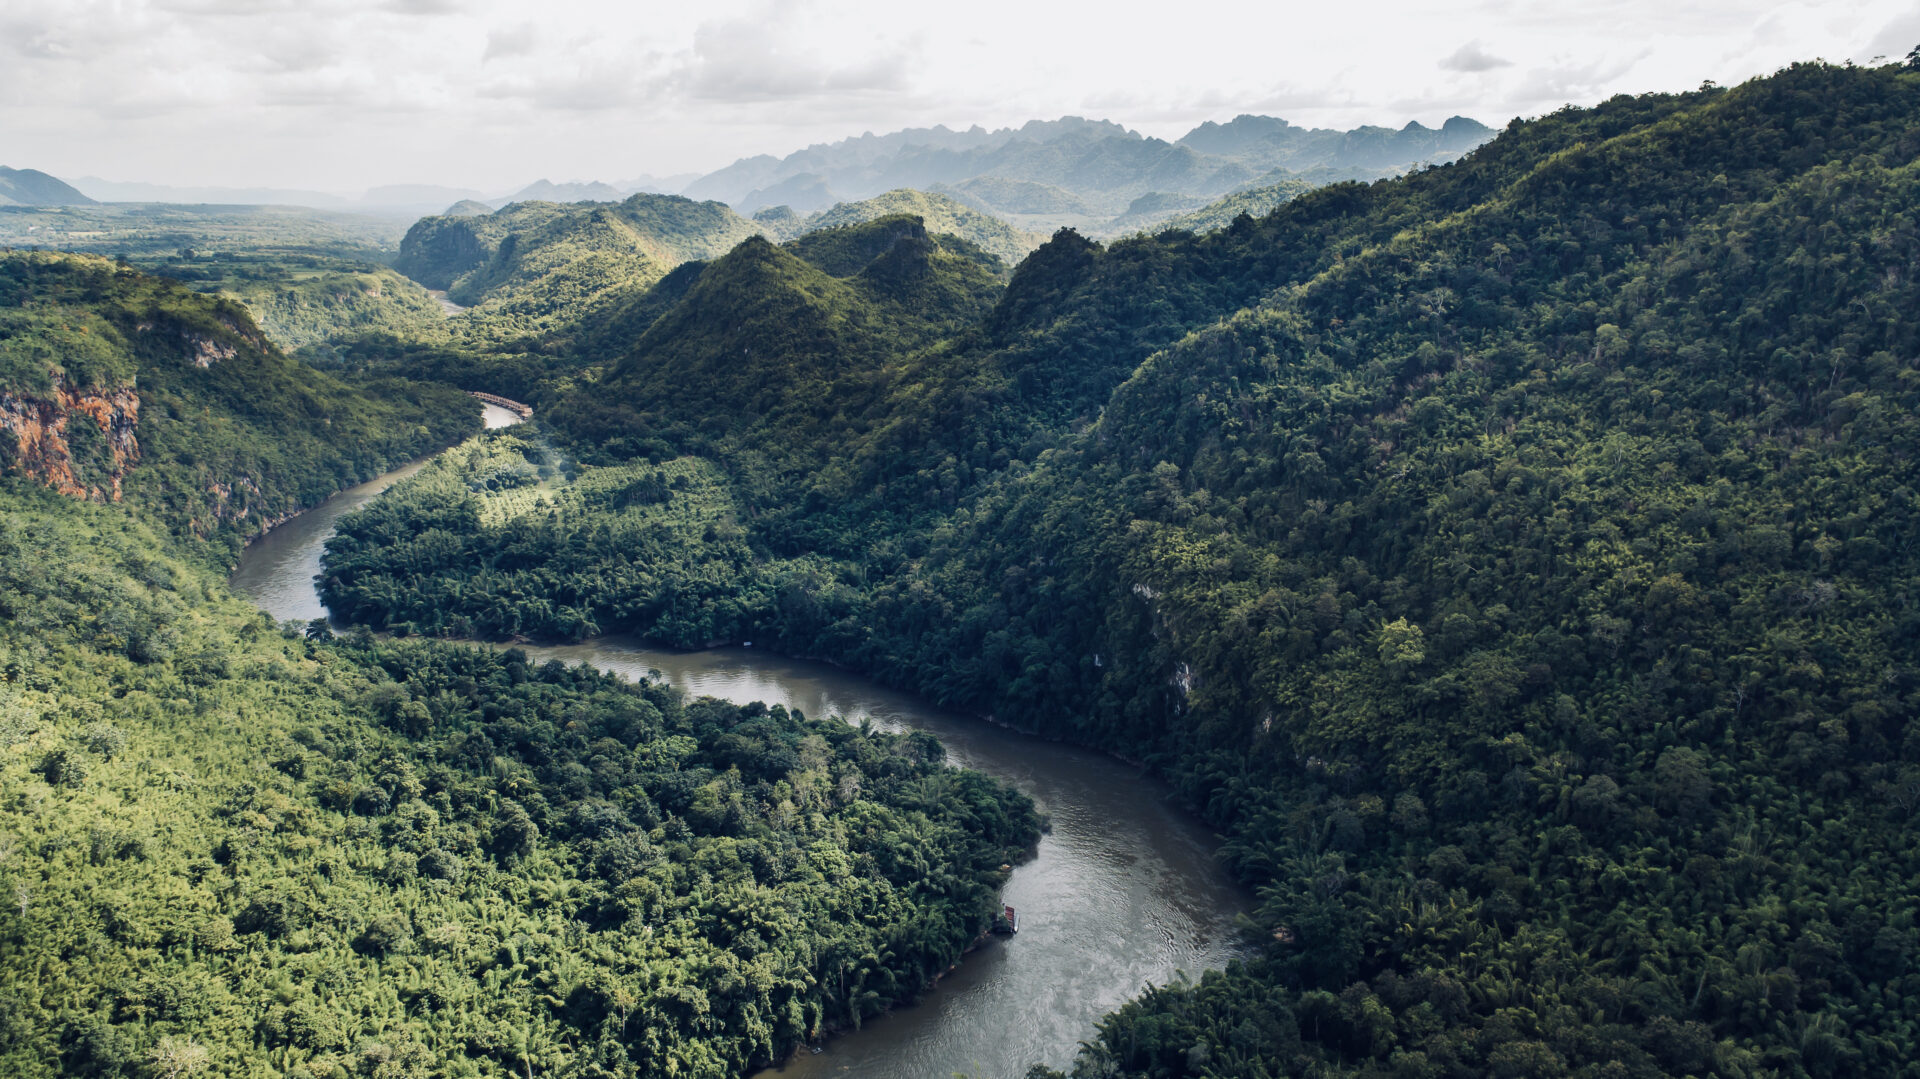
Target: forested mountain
{"type": "Point", "coordinates": [1254, 202]}
{"type": "Point", "coordinates": [781, 354]}
{"type": "Point", "coordinates": [548, 191]}
{"type": "Point", "coordinates": [234, 848]}
{"type": "Point", "coordinates": [1270, 142]}
{"type": "Point", "coordinates": [311, 305]}
{"type": "Point", "coordinates": [941, 214]}
{"type": "Point", "coordinates": [1097, 167]}
{"type": "Point", "coordinates": [116, 384]}
{"type": "Point", "coordinates": [532, 259]}
{"type": "Point", "coordinates": [1510, 558]}
{"type": "Point", "coordinates": [31, 187]}
{"type": "Point", "coordinates": [1017, 196]}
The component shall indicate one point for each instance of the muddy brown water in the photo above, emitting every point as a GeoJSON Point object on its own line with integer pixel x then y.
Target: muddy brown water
{"type": "Point", "coordinates": [277, 570]}
{"type": "Point", "coordinates": [1124, 891]}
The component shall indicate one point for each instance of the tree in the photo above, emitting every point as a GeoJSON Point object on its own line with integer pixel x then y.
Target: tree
{"type": "Point", "coordinates": [179, 1058]}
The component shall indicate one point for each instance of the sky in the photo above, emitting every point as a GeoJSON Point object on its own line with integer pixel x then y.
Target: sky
{"type": "Point", "coordinates": [342, 95]}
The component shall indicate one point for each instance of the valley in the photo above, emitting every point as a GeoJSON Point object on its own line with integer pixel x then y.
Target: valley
{"type": "Point", "coordinates": [1449, 621]}
{"type": "Point", "coordinates": [1123, 891]}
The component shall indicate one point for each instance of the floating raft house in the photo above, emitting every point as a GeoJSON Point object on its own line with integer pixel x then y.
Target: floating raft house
{"type": "Point", "coordinates": [1007, 922]}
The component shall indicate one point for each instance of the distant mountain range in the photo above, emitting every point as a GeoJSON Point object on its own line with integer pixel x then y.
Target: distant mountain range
{"type": "Point", "coordinates": [1079, 167]}
{"type": "Point", "coordinates": [1090, 174]}
{"type": "Point", "coordinates": [31, 187]}
{"type": "Point", "coordinates": [409, 199]}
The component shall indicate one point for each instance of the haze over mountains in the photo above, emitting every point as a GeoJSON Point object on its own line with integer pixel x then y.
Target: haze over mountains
{"type": "Point", "coordinates": [1103, 164]}
{"type": "Point", "coordinates": [1043, 174]}
{"type": "Point", "coordinates": [31, 187]}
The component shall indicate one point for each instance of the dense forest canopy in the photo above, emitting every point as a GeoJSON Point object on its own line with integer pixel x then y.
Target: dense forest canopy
{"type": "Point", "coordinates": [235, 848]}
{"type": "Point", "coordinates": [1513, 559]}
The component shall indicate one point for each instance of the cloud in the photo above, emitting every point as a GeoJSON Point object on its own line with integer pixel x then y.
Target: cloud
{"type": "Point", "coordinates": [1473, 57]}
{"type": "Point", "coordinates": [510, 42]}
{"type": "Point", "coordinates": [592, 88]}
{"type": "Point", "coordinates": [1895, 39]}
{"type": "Point", "coordinates": [761, 59]}
{"type": "Point", "coordinates": [348, 91]}
{"type": "Point", "coordinates": [1563, 82]}
{"type": "Point", "coordinates": [226, 9]}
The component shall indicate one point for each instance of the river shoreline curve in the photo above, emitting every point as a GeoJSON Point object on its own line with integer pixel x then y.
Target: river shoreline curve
{"type": "Point", "coordinates": [1123, 891]}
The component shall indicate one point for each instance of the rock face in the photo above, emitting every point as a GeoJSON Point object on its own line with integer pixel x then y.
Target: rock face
{"type": "Point", "coordinates": [206, 351]}
{"type": "Point", "coordinates": [44, 435]}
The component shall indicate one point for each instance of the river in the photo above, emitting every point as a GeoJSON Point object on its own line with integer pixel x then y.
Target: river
{"type": "Point", "coordinates": [447, 308]}
{"type": "Point", "coordinates": [1125, 890]}
{"type": "Point", "coordinates": [277, 570]}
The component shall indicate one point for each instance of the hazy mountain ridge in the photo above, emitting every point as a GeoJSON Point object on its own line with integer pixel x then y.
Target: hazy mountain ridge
{"type": "Point", "coordinates": [1269, 142]}
{"type": "Point", "coordinates": [577, 191]}
{"type": "Point", "coordinates": [1252, 201]}
{"type": "Point", "coordinates": [942, 214]}
{"type": "Point", "coordinates": [31, 187]}
{"type": "Point", "coordinates": [1073, 171]}
{"type": "Point", "coordinates": [1097, 164]}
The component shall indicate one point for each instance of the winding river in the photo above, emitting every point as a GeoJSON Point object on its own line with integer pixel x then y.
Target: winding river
{"type": "Point", "coordinates": [1125, 889]}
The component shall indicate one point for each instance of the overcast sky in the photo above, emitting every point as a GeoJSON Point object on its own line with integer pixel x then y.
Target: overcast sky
{"type": "Point", "coordinates": [340, 95]}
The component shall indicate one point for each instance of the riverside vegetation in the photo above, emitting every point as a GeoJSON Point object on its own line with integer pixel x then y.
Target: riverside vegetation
{"type": "Point", "coordinates": [229, 847]}
{"type": "Point", "coordinates": [1512, 559]}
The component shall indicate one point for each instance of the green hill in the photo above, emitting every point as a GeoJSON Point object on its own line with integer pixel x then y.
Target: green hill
{"type": "Point", "coordinates": [312, 305]}
{"type": "Point", "coordinates": [225, 840]}
{"type": "Point", "coordinates": [1254, 202]}
{"type": "Point", "coordinates": [780, 223]}
{"type": "Point", "coordinates": [114, 383]}
{"type": "Point", "coordinates": [1510, 558]}
{"type": "Point", "coordinates": [775, 350]}
{"type": "Point", "coordinates": [1021, 196]}
{"type": "Point", "coordinates": [942, 214]}
{"type": "Point", "coordinates": [532, 263]}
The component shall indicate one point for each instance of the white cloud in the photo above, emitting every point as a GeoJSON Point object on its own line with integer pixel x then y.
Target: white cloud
{"type": "Point", "coordinates": [513, 41]}
{"type": "Point", "coordinates": [1894, 40]}
{"type": "Point", "coordinates": [767, 56]}
{"type": "Point", "coordinates": [489, 93]}
{"type": "Point", "coordinates": [424, 7]}
{"type": "Point", "coordinates": [1473, 57]}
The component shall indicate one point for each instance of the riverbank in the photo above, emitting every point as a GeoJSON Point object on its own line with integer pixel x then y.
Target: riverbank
{"type": "Point", "coordinates": [277, 567]}
{"type": "Point", "coordinates": [1124, 891]}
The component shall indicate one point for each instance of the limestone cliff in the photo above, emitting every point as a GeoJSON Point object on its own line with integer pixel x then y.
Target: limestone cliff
{"type": "Point", "coordinates": [53, 438]}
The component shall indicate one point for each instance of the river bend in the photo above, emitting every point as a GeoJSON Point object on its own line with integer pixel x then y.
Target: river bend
{"type": "Point", "coordinates": [1123, 892]}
